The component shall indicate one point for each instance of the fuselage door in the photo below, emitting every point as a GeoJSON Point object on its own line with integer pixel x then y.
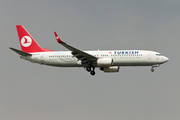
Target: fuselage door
{"type": "Point", "coordinates": [42, 59]}
{"type": "Point", "coordinates": [149, 55]}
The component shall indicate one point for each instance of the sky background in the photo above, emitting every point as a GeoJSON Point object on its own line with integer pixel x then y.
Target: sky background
{"type": "Point", "coordinates": [30, 91]}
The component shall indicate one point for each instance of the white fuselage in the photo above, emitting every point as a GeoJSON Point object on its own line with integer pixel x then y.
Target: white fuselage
{"type": "Point", "coordinates": [120, 58]}
{"type": "Point", "coordinates": [107, 60]}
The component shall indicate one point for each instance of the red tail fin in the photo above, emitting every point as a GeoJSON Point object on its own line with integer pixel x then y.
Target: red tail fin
{"type": "Point", "coordinates": [28, 44]}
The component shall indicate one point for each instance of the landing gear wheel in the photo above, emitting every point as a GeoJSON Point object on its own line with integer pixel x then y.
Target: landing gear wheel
{"type": "Point", "coordinates": [152, 70]}
{"type": "Point", "coordinates": [88, 69]}
{"type": "Point", "coordinates": [92, 73]}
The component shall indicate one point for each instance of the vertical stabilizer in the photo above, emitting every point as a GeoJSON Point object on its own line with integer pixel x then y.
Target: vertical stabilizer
{"type": "Point", "coordinates": [28, 44]}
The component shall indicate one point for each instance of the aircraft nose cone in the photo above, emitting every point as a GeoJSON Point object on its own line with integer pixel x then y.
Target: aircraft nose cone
{"type": "Point", "coordinates": [166, 59]}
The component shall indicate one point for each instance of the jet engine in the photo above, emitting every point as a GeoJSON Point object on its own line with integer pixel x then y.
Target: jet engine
{"type": "Point", "coordinates": [110, 69]}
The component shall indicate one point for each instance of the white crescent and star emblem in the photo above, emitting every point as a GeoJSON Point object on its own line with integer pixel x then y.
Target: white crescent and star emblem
{"type": "Point", "coordinates": [57, 37]}
{"type": "Point", "coordinates": [26, 41]}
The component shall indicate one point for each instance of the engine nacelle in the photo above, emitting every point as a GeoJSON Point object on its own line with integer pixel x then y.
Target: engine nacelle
{"type": "Point", "coordinates": [110, 69]}
{"type": "Point", "coordinates": [105, 62]}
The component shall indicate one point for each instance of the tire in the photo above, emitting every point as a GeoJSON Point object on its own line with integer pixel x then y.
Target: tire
{"type": "Point", "coordinates": [92, 73]}
{"type": "Point", "coordinates": [88, 69]}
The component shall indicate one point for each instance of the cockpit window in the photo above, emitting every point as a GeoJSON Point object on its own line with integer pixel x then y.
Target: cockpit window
{"type": "Point", "coordinates": [159, 54]}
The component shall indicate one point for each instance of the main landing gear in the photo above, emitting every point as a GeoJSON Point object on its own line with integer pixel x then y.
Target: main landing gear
{"type": "Point", "coordinates": [92, 72]}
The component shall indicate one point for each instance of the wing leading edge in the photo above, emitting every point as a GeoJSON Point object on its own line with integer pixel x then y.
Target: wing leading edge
{"type": "Point", "coordinates": [80, 55]}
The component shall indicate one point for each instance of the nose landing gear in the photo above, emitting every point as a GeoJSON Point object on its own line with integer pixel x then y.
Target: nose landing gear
{"type": "Point", "coordinates": [152, 69]}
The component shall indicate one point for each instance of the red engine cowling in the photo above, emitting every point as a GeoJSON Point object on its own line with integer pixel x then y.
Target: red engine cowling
{"type": "Point", "coordinates": [110, 69]}
{"type": "Point", "coordinates": [105, 62]}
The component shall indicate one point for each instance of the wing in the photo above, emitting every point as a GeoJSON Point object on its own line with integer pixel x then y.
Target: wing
{"type": "Point", "coordinates": [80, 55]}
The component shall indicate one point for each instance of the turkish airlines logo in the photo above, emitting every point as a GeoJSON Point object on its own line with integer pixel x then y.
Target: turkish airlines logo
{"type": "Point", "coordinates": [57, 37]}
{"type": "Point", "coordinates": [26, 41]}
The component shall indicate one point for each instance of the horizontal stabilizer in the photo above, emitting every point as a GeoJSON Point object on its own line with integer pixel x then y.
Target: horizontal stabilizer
{"type": "Point", "coordinates": [20, 52]}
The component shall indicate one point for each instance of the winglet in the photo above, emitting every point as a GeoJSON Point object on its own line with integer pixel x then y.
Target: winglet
{"type": "Point", "coordinates": [58, 38]}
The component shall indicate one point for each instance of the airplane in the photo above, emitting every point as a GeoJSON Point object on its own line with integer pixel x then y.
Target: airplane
{"type": "Point", "coordinates": [107, 60]}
